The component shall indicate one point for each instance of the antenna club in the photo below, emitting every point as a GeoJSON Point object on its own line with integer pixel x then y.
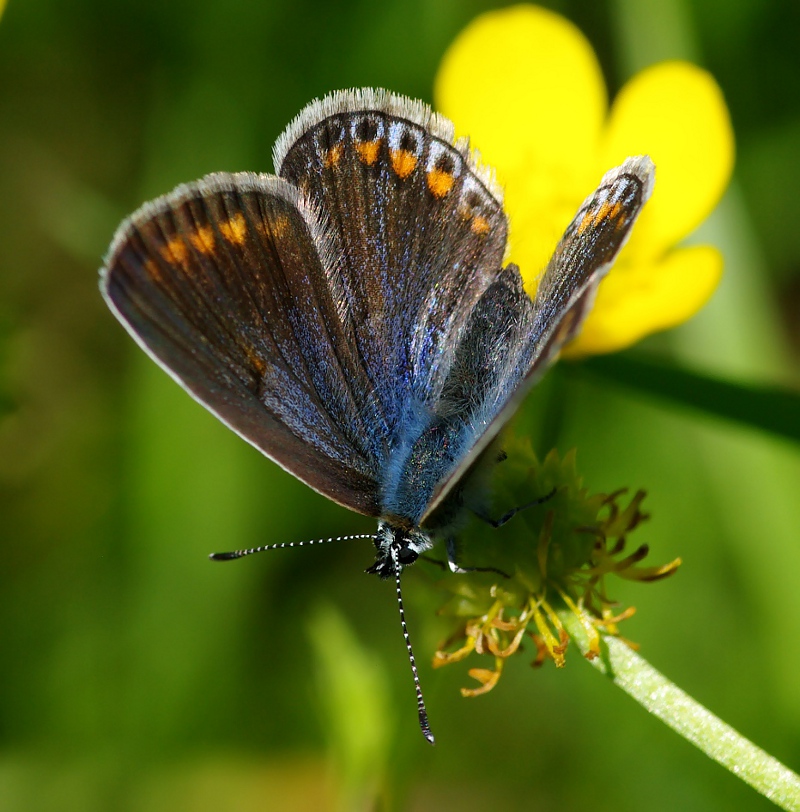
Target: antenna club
{"type": "Point", "coordinates": [425, 727]}
{"type": "Point", "coordinates": [226, 556]}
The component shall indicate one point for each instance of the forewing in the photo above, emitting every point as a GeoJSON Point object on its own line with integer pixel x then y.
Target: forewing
{"type": "Point", "coordinates": [420, 227]}
{"type": "Point", "coordinates": [230, 285]}
{"type": "Point", "coordinates": [510, 340]}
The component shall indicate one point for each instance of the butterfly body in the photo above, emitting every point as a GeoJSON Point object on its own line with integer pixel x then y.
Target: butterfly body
{"type": "Point", "coordinates": [351, 316]}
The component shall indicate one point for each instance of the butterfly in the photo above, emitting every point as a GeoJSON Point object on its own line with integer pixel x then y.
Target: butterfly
{"type": "Point", "coordinates": [352, 317]}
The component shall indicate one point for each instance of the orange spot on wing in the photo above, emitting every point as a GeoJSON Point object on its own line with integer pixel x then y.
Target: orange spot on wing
{"type": "Point", "coordinates": [368, 151]}
{"type": "Point", "coordinates": [258, 363]}
{"type": "Point", "coordinates": [279, 226]}
{"type": "Point", "coordinates": [479, 225]}
{"type": "Point", "coordinates": [175, 251]}
{"type": "Point", "coordinates": [235, 229]}
{"type": "Point", "coordinates": [332, 157]}
{"type": "Point", "coordinates": [585, 222]}
{"type": "Point", "coordinates": [203, 240]}
{"type": "Point", "coordinates": [403, 162]}
{"type": "Point", "coordinates": [440, 182]}
{"type": "Point", "coordinates": [607, 211]}
{"type": "Point", "coordinates": [614, 213]}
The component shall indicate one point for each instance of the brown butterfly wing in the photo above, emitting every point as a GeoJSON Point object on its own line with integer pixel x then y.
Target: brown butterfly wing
{"type": "Point", "coordinates": [226, 284]}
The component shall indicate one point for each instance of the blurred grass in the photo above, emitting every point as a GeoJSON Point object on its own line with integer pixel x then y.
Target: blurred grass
{"type": "Point", "coordinates": [772, 409]}
{"type": "Point", "coordinates": [352, 691]}
{"type": "Point", "coordinates": [138, 676]}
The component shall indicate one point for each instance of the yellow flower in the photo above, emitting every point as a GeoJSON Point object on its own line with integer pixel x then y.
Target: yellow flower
{"type": "Point", "coordinates": [525, 84]}
{"type": "Point", "coordinates": [561, 556]}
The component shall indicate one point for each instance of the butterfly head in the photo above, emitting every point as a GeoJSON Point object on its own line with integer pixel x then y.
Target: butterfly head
{"type": "Point", "coordinates": [397, 547]}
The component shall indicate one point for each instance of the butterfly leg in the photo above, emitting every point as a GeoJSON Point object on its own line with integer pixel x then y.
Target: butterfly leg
{"type": "Point", "coordinates": [513, 512]}
{"type": "Point", "coordinates": [450, 545]}
{"type": "Point", "coordinates": [451, 563]}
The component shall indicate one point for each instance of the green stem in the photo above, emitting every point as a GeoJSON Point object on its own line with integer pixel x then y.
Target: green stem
{"type": "Point", "coordinates": [689, 718]}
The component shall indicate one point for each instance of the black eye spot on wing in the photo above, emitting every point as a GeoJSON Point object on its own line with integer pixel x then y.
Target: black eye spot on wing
{"type": "Point", "coordinates": [366, 130]}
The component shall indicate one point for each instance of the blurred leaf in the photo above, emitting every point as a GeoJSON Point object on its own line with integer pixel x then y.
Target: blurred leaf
{"type": "Point", "coordinates": [7, 401]}
{"type": "Point", "coordinates": [354, 693]}
{"type": "Point", "coordinates": [769, 408]}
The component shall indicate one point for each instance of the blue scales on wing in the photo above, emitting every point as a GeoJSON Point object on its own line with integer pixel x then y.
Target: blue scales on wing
{"type": "Point", "coordinates": [351, 318]}
{"type": "Point", "coordinates": [450, 341]}
{"type": "Point", "coordinates": [510, 339]}
{"type": "Point", "coordinates": [421, 234]}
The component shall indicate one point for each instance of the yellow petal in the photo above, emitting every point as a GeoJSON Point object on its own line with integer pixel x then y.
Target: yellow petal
{"type": "Point", "coordinates": [674, 112]}
{"type": "Point", "coordinates": [525, 85]}
{"type": "Point", "coordinates": [635, 300]}
{"type": "Point", "coordinates": [537, 220]}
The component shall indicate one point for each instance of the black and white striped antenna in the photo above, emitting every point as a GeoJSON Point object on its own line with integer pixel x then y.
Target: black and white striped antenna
{"type": "Point", "coordinates": [423, 714]}
{"type": "Point", "coordinates": [234, 554]}
{"type": "Point", "coordinates": [421, 711]}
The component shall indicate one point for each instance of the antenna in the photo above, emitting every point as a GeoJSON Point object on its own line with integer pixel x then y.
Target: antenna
{"type": "Point", "coordinates": [284, 545]}
{"type": "Point", "coordinates": [423, 714]}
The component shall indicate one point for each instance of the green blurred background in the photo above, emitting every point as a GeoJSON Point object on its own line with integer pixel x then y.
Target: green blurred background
{"type": "Point", "coordinates": [134, 674]}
